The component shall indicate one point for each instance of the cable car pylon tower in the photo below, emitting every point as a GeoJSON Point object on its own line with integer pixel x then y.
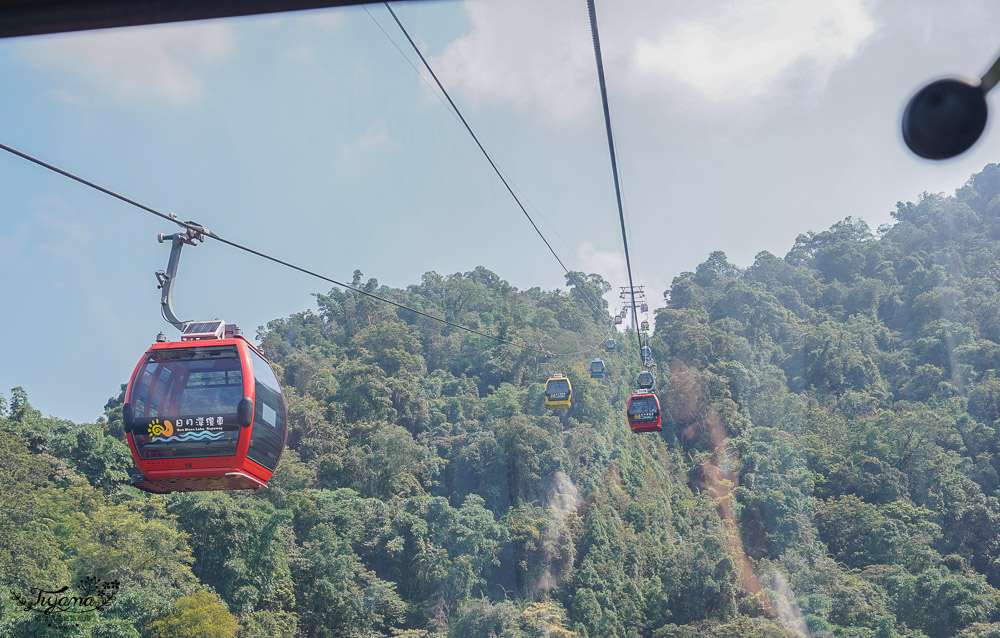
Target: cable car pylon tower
{"type": "Point", "coordinates": [629, 295]}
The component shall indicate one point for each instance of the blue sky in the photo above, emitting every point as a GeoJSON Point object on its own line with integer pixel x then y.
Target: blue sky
{"type": "Point", "coordinates": [740, 125]}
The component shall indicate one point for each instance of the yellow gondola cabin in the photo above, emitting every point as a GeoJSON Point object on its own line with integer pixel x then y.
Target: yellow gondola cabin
{"type": "Point", "coordinates": [558, 392]}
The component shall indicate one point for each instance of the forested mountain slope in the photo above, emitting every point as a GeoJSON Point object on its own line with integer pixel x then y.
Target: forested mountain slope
{"type": "Point", "coordinates": [828, 465]}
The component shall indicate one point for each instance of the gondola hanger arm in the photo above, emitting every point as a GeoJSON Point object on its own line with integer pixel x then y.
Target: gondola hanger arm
{"type": "Point", "coordinates": [193, 234]}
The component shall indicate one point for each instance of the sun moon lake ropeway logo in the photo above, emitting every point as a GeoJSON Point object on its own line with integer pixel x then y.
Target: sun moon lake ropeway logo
{"type": "Point", "coordinates": [163, 430]}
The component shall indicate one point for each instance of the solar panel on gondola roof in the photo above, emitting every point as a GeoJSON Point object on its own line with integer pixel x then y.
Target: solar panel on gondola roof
{"type": "Point", "coordinates": [204, 330]}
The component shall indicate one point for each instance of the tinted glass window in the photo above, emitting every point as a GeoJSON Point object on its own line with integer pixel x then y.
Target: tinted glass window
{"type": "Point", "coordinates": [268, 437]}
{"type": "Point", "coordinates": [559, 386]}
{"type": "Point", "coordinates": [643, 405]}
{"type": "Point", "coordinates": [185, 403]}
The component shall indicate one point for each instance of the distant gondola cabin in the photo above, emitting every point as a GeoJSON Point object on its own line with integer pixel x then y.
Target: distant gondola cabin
{"type": "Point", "coordinates": [618, 320]}
{"type": "Point", "coordinates": [609, 345]}
{"type": "Point", "coordinates": [558, 392]}
{"type": "Point", "coordinates": [596, 368]}
{"type": "Point", "coordinates": [646, 380]}
{"type": "Point", "coordinates": [644, 325]}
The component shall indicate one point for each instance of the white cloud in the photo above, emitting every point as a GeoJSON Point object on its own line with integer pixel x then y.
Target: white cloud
{"type": "Point", "coordinates": [156, 63]}
{"type": "Point", "coordinates": [376, 139]}
{"type": "Point", "coordinates": [609, 264]}
{"type": "Point", "coordinates": [745, 49]}
{"type": "Point", "coordinates": [537, 55]}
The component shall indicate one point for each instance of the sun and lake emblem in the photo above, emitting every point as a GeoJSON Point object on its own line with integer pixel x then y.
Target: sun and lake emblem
{"type": "Point", "coordinates": [162, 430]}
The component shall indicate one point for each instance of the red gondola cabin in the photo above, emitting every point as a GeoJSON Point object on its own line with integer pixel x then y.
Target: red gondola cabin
{"type": "Point", "coordinates": [204, 413]}
{"type": "Point", "coordinates": [644, 413]}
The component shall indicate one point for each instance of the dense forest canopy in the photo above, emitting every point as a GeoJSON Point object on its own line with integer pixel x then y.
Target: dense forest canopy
{"type": "Point", "coordinates": [829, 463]}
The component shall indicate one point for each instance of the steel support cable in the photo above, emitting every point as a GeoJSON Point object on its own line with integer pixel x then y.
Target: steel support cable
{"type": "Point", "coordinates": [408, 60]}
{"type": "Point", "coordinates": [614, 161]}
{"type": "Point", "coordinates": [489, 159]}
{"type": "Point", "coordinates": [591, 349]}
{"type": "Point", "coordinates": [258, 253]}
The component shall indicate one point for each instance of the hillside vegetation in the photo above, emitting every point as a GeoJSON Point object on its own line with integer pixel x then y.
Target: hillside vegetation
{"type": "Point", "coordinates": [828, 466]}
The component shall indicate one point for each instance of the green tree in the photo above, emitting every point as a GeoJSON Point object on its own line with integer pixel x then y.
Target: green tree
{"type": "Point", "coordinates": [199, 615]}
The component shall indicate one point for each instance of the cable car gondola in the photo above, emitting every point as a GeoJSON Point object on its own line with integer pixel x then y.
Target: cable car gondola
{"type": "Point", "coordinates": [609, 345]}
{"type": "Point", "coordinates": [558, 392]}
{"type": "Point", "coordinates": [205, 412]}
{"type": "Point", "coordinates": [596, 369]}
{"type": "Point", "coordinates": [646, 354]}
{"type": "Point", "coordinates": [618, 320]}
{"type": "Point", "coordinates": [645, 307]}
{"type": "Point", "coordinates": [646, 380]}
{"type": "Point", "coordinates": [644, 325]}
{"type": "Point", "coordinates": [644, 413]}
